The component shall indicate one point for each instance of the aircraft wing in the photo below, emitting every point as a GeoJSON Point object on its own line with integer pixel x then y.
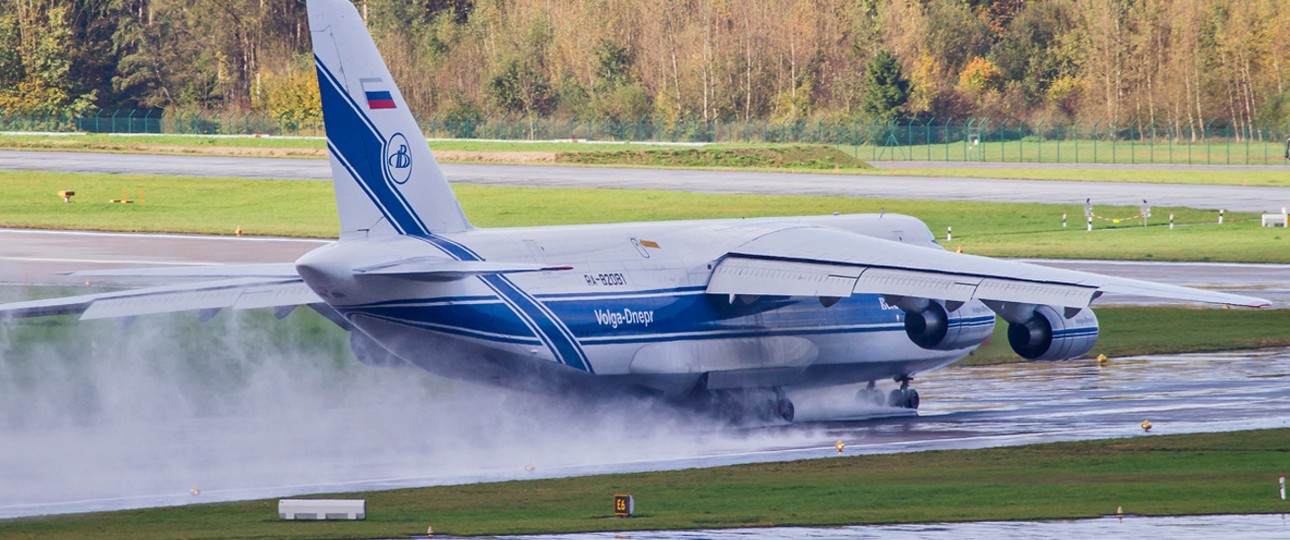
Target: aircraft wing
{"type": "Point", "coordinates": [207, 297]}
{"type": "Point", "coordinates": [224, 271]}
{"type": "Point", "coordinates": [824, 262]}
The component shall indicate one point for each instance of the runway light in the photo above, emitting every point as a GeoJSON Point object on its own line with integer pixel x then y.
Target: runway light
{"type": "Point", "coordinates": [529, 468]}
{"type": "Point", "coordinates": [1102, 359]}
{"type": "Point", "coordinates": [1119, 513]}
{"type": "Point", "coordinates": [238, 231]}
{"type": "Point", "coordinates": [429, 530]}
{"type": "Point", "coordinates": [194, 492]}
{"type": "Point", "coordinates": [840, 445]}
{"type": "Point", "coordinates": [1146, 425]}
{"type": "Point", "coordinates": [1283, 486]}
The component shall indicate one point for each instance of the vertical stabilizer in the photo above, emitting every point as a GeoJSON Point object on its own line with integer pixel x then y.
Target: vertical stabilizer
{"type": "Point", "coordinates": [387, 181]}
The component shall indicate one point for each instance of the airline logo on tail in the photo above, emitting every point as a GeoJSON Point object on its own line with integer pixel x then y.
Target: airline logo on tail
{"type": "Point", "coordinates": [398, 160]}
{"type": "Point", "coordinates": [378, 94]}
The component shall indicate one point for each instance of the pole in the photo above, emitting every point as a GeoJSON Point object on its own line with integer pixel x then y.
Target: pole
{"type": "Point", "coordinates": [1063, 220]}
{"type": "Point", "coordinates": [949, 234]}
{"type": "Point", "coordinates": [1171, 221]}
{"type": "Point", "coordinates": [1220, 216]}
{"type": "Point", "coordinates": [1090, 224]}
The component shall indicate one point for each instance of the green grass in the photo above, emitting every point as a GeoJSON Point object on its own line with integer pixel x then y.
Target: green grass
{"type": "Point", "coordinates": [1142, 176]}
{"type": "Point", "coordinates": [307, 208]}
{"type": "Point", "coordinates": [1134, 331]}
{"type": "Point", "coordinates": [1146, 475]}
{"type": "Point", "coordinates": [816, 157]}
{"type": "Point", "coordinates": [1220, 151]}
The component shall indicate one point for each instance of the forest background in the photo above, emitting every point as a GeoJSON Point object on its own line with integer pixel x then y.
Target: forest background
{"type": "Point", "coordinates": [1176, 64]}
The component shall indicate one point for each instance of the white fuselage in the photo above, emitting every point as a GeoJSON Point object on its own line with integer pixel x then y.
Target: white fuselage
{"type": "Point", "coordinates": [632, 308]}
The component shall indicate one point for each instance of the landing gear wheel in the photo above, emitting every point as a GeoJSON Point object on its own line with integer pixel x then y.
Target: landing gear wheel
{"type": "Point", "coordinates": [784, 409]}
{"type": "Point", "coordinates": [871, 396]}
{"type": "Point", "coordinates": [904, 398]}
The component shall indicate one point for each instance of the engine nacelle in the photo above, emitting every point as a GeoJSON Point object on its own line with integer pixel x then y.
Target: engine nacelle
{"type": "Point", "coordinates": [1050, 336]}
{"type": "Point", "coordinates": [931, 326]}
{"type": "Point", "coordinates": [370, 352]}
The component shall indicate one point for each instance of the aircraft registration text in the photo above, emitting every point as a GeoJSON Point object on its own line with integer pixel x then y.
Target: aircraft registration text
{"type": "Point", "coordinates": [605, 280]}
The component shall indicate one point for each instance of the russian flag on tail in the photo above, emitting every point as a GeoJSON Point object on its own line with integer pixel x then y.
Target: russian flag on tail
{"type": "Point", "coordinates": [378, 94]}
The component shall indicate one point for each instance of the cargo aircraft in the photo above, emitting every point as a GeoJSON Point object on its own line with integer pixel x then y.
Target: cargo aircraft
{"type": "Point", "coordinates": [726, 314]}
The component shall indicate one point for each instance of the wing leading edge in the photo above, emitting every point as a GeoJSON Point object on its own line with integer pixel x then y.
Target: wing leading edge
{"type": "Point", "coordinates": [824, 262]}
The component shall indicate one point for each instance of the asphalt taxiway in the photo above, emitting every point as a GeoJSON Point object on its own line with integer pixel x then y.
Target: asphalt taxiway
{"type": "Point", "coordinates": [1233, 198]}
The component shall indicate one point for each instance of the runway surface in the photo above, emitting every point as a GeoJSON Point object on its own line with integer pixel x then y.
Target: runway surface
{"type": "Point", "coordinates": [100, 416]}
{"type": "Point", "coordinates": [139, 440]}
{"type": "Point", "coordinates": [1234, 198]}
{"type": "Point", "coordinates": [1174, 528]}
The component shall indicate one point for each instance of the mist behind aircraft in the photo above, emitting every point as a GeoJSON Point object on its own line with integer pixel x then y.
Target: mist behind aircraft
{"type": "Point", "coordinates": [101, 415]}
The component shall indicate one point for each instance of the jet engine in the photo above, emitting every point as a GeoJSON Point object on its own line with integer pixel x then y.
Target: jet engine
{"type": "Point", "coordinates": [931, 326]}
{"type": "Point", "coordinates": [371, 353]}
{"type": "Point", "coordinates": [1047, 335]}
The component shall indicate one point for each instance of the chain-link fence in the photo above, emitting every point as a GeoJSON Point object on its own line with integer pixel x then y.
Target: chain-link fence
{"type": "Point", "coordinates": [972, 139]}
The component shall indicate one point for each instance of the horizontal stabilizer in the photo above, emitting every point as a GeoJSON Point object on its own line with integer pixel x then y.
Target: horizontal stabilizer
{"type": "Point", "coordinates": [439, 269]}
{"type": "Point", "coordinates": [824, 262]}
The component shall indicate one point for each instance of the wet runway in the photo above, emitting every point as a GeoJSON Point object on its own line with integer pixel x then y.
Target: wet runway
{"type": "Point", "coordinates": [130, 432]}
{"type": "Point", "coordinates": [1176, 528]}
{"type": "Point", "coordinates": [1234, 198]}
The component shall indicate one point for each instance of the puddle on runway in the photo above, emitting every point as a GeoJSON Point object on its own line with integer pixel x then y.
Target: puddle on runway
{"type": "Point", "coordinates": [1255, 526]}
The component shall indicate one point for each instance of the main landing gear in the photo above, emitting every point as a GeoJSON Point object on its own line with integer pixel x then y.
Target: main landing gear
{"type": "Point", "coordinates": [903, 397]}
{"type": "Point", "coordinates": [752, 406]}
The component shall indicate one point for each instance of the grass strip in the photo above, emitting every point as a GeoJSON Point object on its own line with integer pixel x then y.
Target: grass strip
{"type": "Point", "coordinates": [1146, 475]}
{"type": "Point", "coordinates": [817, 157]}
{"type": "Point", "coordinates": [307, 209]}
{"type": "Point", "coordinates": [1139, 330]}
{"type": "Point", "coordinates": [760, 157]}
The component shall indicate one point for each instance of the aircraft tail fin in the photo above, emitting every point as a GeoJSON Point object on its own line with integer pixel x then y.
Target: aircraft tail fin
{"type": "Point", "coordinates": [387, 181]}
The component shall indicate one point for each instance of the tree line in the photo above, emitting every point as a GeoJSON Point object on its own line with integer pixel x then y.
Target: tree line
{"type": "Point", "coordinates": [1176, 64]}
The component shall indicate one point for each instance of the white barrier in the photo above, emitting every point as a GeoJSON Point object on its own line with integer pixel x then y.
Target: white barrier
{"type": "Point", "coordinates": [315, 509]}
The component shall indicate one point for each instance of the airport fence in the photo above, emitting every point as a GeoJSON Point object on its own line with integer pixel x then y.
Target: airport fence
{"type": "Point", "coordinates": [965, 140]}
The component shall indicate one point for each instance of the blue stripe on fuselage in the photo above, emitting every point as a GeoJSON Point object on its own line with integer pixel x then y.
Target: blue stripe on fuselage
{"type": "Point", "coordinates": [684, 315]}
{"type": "Point", "coordinates": [359, 147]}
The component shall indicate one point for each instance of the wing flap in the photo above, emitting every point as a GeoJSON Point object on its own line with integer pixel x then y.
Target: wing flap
{"type": "Point", "coordinates": [917, 284]}
{"type": "Point", "coordinates": [742, 276]}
